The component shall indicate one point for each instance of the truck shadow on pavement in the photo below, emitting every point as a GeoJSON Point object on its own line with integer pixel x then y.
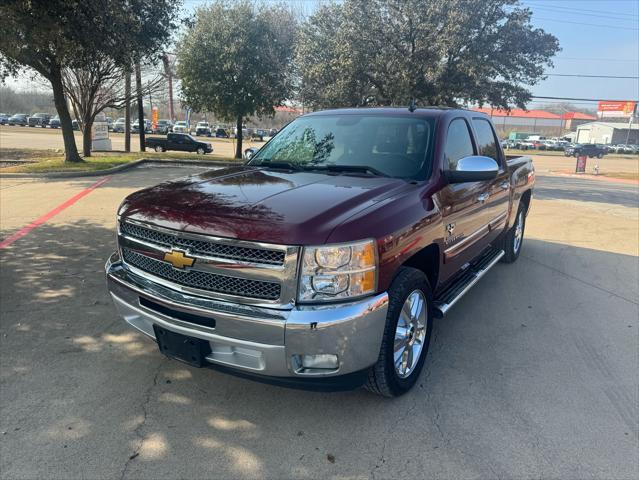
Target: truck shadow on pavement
{"type": "Point", "coordinates": [84, 395]}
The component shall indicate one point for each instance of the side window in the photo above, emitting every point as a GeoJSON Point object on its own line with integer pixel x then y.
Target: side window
{"type": "Point", "coordinates": [458, 143]}
{"type": "Point", "coordinates": [486, 142]}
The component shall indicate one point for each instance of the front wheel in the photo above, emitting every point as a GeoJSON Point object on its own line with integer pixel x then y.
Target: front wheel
{"type": "Point", "coordinates": [409, 323]}
{"type": "Point", "coordinates": [159, 148]}
{"type": "Point", "coordinates": [200, 151]}
{"type": "Point", "coordinates": [600, 155]}
{"type": "Point", "coordinates": [515, 236]}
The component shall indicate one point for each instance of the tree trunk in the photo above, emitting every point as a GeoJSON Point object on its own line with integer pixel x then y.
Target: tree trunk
{"type": "Point", "coordinates": [238, 137]}
{"type": "Point", "coordinates": [138, 88]}
{"type": "Point", "coordinates": [127, 110]}
{"type": "Point", "coordinates": [169, 78]}
{"type": "Point", "coordinates": [70, 149]}
{"type": "Point", "coordinates": [87, 126]}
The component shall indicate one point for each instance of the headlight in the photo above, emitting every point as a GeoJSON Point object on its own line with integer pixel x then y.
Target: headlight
{"type": "Point", "coordinates": [334, 272]}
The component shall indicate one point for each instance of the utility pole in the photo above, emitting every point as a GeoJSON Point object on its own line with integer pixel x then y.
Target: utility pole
{"type": "Point", "coordinates": [138, 88]}
{"type": "Point", "coordinates": [169, 78]}
{"type": "Point", "coordinates": [148, 85]}
{"type": "Point", "coordinates": [127, 109]}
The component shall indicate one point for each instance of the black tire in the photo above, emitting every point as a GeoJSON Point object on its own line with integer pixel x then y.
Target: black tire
{"type": "Point", "coordinates": [600, 155]}
{"type": "Point", "coordinates": [511, 251]}
{"type": "Point", "coordinates": [382, 377]}
{"type": "Point", "coordinates": [200, 151]}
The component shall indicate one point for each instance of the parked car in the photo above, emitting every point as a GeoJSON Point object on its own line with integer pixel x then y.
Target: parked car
{"type": "Point", "coordinates": [39, 120]}
{"type": "Point", "coordinates": [257, 134]}
{"type": "Point", "coordinates": [181, 142]}
{"type": "Point", "coordinates": [323, 267]}
{"type": "Point", "coordinates": [221, 133]}
{"type": "Point", "coordinates": [163, 127]}
{"type": "Point", "coordinates": [135, 126]}
{"type": "Point", "coordinates": [18, 119]}
{"type": "Point", "coordinates": [75, 124]}
{"type": "Point", "coordinates": [119, 125]}
{"type": "Point", "coordinates": [109, 122]}
{"type": "Point", "coordinates": [180, 127]}
{"type": "Point", "coordinates": [203, 129]}
{"type": "Point", "coordinates": [249, 152]}
{"type": "Point", "coordinates": [621, 148]}
{"type": "Point", "coordinates": [588, 149]}
{"type": "Point", "coordinates": [4, 118]}
{"type": "Point", "coordinates": [54, 122]}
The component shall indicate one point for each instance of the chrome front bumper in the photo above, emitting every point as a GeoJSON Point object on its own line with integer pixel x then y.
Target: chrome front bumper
{"type": "Point", "coordinates": [256, 340]}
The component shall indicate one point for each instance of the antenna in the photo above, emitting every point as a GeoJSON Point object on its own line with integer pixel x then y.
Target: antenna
{"type": "Point", "coordinates": [413, 105]}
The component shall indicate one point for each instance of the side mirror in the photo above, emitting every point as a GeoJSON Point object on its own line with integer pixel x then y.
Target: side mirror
{"type": "Point", "coordinates": [473, 169]}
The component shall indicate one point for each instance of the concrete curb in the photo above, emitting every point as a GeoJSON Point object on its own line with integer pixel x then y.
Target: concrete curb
{"type": "Point", "coordinates": [121, 168]}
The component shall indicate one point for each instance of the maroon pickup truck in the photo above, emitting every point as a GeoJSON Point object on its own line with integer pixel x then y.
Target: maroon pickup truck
{"type": "Point", "coordinates": [323, 260]}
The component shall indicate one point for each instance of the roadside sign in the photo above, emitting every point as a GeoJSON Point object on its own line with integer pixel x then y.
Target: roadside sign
{"type": "Point", "coordinates": [581, 164]}
{"type": "Point", "coordinates": [616, 109]}
{"type": "Point", "coordinates": [100, 131]}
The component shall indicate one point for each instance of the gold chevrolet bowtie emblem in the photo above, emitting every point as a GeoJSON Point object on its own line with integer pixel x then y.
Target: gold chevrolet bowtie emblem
{"type": "Point", "coordinates": [178, 259]}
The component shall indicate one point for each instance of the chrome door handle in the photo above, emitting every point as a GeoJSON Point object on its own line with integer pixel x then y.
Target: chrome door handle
{"type": "Point", "coordinates": [483, 197]}
{"type": "Point", "coordinates": [505, 185]}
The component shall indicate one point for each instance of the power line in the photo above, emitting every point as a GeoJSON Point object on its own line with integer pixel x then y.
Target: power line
{"type": "Point", "coordinates": [589, 76]}
{"type": "Point", "coordinates": [535, 3]}
{"type": "Point", "coordinates": [616, 27]}
{"type": "Point", "coordinates": [581, 99]}
{"type": "Point", "coordinates": [595, 59]}
{"type": "Point", "coordinates": [598, 15]}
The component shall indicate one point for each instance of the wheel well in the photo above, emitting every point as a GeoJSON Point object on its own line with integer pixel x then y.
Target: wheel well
{"type": "Point", "coordinates": [426, 260]}
{"type": "Point", "coordinates": [525, 199]}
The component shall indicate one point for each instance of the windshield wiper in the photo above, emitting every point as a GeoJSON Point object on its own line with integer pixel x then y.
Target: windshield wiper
{"type": "Point", "coordinates": [276, 164]}
{"type": "Point", "coordinates": [349, 169]}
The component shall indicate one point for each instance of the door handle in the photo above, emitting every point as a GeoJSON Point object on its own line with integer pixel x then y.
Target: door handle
{"type": "Point", "coordinates": [483, 197]}
{"type": "Point", "coordinates": [505, 185]}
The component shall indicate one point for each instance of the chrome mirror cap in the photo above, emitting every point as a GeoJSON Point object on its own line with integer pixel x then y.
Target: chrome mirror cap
{"type": "Point", "coordinates": [475, 168]}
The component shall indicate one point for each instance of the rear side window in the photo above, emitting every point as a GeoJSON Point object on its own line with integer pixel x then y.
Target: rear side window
{"type": "Point", "coordinates": [486, 142]}
{"type": "Point", "coordinates": [458, 143]}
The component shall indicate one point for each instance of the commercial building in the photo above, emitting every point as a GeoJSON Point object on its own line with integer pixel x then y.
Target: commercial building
{"type": "Point", "coordinates": [531, 121]}
{"type": "Point", "coordinates": [612, 133]}
{"type": "Point", "coordinates": [573, 119]}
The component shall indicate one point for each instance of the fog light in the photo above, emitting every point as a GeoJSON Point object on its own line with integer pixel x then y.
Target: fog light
{"type": "Point", "coordinates": [325, 361]}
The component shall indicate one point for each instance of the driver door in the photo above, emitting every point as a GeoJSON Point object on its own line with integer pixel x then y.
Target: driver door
{"type": "Point", "coordinates": [461, 204]}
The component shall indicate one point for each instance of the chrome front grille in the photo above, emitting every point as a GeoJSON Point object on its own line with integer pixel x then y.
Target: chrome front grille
{"type": "Point", "coordinates": [201, 247]}
{"type": "Point", "coordinates": [244, 272]}
{"type": "Point", "coordinates": [203, 280]}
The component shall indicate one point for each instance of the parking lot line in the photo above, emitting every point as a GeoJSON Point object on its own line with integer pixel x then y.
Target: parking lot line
{"type": "Point", "coordinates": [47, 216]}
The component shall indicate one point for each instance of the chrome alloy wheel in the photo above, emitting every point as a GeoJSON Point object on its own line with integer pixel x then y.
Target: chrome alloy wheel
{"type": "Point", "coordinates": [410, 334]}
{"type": "Point", "coordinates": [519, 232]}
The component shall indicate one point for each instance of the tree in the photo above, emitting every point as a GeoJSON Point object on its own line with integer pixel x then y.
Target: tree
{"type": "Point", "coordinates": [96, 86]}
{"type": "Point", "coordinates": [51, 36]}
{"type": "Point", "coordinates": [235, 61]}
{"type": "Point", "coordinates": [384, 52]}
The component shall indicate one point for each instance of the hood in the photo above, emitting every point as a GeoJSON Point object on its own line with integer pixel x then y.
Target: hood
{"type": "Point", "coordinates": [249, 203]}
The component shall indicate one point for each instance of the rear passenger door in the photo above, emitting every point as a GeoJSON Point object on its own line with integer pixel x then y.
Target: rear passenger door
{"type": "Point", "coordinates": [497, 193]}
{"type": "Point", "coordinates": [461, 203]}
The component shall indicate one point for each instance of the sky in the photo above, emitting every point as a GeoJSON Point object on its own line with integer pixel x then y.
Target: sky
{"type": "Point", "coordinates": [597, 37]}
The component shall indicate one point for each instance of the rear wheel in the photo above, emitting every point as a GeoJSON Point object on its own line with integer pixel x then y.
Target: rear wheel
{"type": "Point", "coordinates": [409, 323]}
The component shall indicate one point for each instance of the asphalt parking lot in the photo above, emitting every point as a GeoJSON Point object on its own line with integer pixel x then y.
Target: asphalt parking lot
{"type": "Point", "coordinates": [534, 374]}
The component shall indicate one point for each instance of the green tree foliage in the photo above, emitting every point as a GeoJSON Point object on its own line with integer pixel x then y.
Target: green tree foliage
{"type": "Point", "coordinates": [49, 36]}
{"type": "Point", "coordinates": [444, 52]}
{"type": "Point", "coordinates": [235, 61]}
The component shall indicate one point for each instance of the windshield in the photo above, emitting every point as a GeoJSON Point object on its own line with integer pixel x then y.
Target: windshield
{"type": "Point", "coordinates": [392, 146]}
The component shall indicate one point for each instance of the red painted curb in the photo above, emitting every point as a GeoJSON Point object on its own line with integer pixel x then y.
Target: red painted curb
{"type": "Point", "coordinates": [47, 216]}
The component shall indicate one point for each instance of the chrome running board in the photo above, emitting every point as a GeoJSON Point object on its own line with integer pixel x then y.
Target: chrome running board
{"type": "Point", "coordinates": [451, 294]}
